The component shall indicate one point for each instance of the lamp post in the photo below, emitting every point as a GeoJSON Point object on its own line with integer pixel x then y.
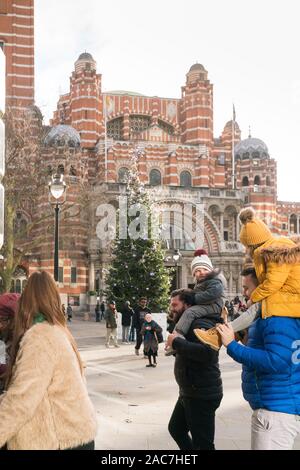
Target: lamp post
{"type": "Point", "coordinates": [57, 189]}
{"type": "Point", "coordinates": [176, 257]}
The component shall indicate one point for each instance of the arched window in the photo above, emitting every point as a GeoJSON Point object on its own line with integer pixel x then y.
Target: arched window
{"type": "Point", "coordinates": [185, 179]}
{"type": "Point", "coordinates": [215, 214]}
{"type": "Point", "coordinates": [61, 170]}
{"type": "Point", "coordinates": [123, 175]}
{"type": "Point", "coordinates": [155, 178]}
{"type": "Point", "coordinates": [293, 223]}
{"type": "Point", "coordinates": [245, 181]}
{"type": "Point", "coordinates": [230, 224]}
{"type": "Point", "coordinates": [115, 129]}
{"type": "Point", "coordinates": [268, 181]}
{"type": "Point", "coordinates": [257, 180]}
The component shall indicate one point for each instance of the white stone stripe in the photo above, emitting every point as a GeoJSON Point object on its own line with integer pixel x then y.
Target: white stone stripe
{"type": "Point", "coordinates": [83, 97]}
{"type": "Point", "coordinates": [86, 109]}
{"type": "Point", "coordinates": [24, 46]}
{"type": "Point", "coordinates": [16, 15]}
{"type": "Point", "coordinates": [23, 55]}
{"type": "Point", "coordinates": [25, 26]}
{"type": "Point", "coordinates": [19, 75]}
{"type": "Point", "coordinates": [23, 65]}
{"type": "Point", "coordinates": [19, 35]}
{"type": "Point", "coordinates": [20, 97]}
{"type": "Point", "coordinates": [23, 86]}
{"type": "Point", "coordinates": [25, 7]}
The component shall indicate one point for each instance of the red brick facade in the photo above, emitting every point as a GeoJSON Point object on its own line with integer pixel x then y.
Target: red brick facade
{"type": "Point", "coordinates": [17, 41]}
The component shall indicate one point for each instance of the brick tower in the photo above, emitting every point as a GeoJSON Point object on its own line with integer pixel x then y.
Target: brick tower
{"type": "Point", "coordinates": [17, 42]}
{"type": "Point", "coordinates": [82, 107]}
{"type": "Point", "coordinates": [197, 108]}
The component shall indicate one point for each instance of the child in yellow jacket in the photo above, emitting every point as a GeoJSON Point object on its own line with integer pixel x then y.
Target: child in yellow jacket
{"type": "Point", "coordinates": [277, 266]}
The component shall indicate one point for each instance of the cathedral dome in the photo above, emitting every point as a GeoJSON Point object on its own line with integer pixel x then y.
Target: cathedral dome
{"type": "Point", "coordinates": [62, 135]}
{"type": "Point", "coordinates": [251, 148]}
{"type": "Point", "coordinates": [228, 126]}
{"type": "Point", "coordinates": [85, 56]}
{"type": "Point", "coordinates": [197, 67]}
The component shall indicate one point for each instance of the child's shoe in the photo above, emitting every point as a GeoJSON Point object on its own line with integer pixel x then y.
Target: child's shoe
{"type": "Point", "coordinates": [170, 352]}
{"type": "Point", "coordinates": [210, 337]}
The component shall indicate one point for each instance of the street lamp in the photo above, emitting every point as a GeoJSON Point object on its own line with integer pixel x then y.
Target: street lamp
{"type": "Point", "coordinates": [57, 189]}
{"type": "Point", "coordinates": [176, 257]}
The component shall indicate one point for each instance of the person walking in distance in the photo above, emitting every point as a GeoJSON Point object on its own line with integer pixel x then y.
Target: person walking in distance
{"type": "Point", "coordinates": [111, 316]}
{"type": "Point", "coordinates": [46, 404]}
{"type": "Point", "coordinates": [149, 331]}
{"type": "Point", "coordinates": [127, 313]}
{"type": "Point", "coordinates": [69, 312]}
{"type": "Point", "coordinates": [97, 312]}
{"type": "Point", "coordinates": [138, 319]}
{"type": "Point", "coordinates": [102, 308]}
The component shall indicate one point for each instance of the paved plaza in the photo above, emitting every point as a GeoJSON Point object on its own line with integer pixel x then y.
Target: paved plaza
{"type": "Point", "coordinates": [134, 403]}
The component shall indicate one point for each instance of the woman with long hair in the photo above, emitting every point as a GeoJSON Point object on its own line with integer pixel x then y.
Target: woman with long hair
{"type": "Point", "coordinates": [45, 405]}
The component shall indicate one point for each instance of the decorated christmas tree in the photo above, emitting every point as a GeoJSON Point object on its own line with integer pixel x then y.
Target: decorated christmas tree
{"type": "Point", "coordinates": [137, 268]}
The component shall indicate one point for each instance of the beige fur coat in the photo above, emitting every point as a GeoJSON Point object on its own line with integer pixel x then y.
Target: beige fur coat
{"type": "Point", "coordinates": [46, 406]}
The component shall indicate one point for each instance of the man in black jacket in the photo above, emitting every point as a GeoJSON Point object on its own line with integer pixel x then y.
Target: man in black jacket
{"type": "Point", "coordinates": [192, 424]}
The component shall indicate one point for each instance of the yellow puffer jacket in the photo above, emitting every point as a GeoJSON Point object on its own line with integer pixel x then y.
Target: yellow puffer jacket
{"type": "Point", "coordinates": [277, 266]}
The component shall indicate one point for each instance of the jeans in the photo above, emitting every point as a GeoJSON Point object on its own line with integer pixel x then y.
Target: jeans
{"type": "Point", "coordinates": [125, 333]}
{"type": "Point", "coordinates": [271, 430]}
{"type": "Point", "coordinates": [197, 417]}
{"type": "Point", "coordinates": [111, 333]}
{"type": "Point", "coordinates": [139, 339]}
{"type": "Point", "coordinates": [132, 334]}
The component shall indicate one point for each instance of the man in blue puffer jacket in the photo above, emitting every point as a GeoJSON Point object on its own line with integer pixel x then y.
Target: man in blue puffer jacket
{"type": "Point", "coordinates": [271, 376]}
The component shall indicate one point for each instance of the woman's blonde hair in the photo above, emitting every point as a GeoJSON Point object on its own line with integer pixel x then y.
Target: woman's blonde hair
{"type": "Point", "coordinates": [40, 296]}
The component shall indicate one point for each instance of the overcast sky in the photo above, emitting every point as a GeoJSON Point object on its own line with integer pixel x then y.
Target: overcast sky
{"type": "Point", "coordinates": [250, 49]}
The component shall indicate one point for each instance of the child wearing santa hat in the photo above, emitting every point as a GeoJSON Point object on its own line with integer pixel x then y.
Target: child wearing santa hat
{"type": "Point", "coordinates": [209, 290]}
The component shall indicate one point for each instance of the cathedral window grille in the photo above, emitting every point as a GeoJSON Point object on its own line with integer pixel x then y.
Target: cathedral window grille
{"type": "Point", "coordinates": [185, 179]}
{"type": "Point", "coordinates": [123, 175]}
{"type": "Point", "coordinates": [115, 129]}
{"type": "Point", "coordinates": [155, 178]}
{"type": "Point", "coordinates": [139, 123]}
{"type": "Point", "coordinates": [166, 127]}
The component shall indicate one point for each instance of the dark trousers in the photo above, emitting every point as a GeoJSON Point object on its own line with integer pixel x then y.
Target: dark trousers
{"type": "Point", "coordinates": [88, 446]}
{"type": "Point", "coordinates": [139, 339]}
{"type": "Point", "coordinates": [197, 417]}
{"type": "Point", "coordinates": [132, 334]}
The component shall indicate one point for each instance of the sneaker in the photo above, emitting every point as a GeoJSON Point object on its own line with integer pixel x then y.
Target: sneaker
{"type": "Point", "coordinates": [137, 352]}
{"type": "Point", "coordinates": [116, 345]}
{"type": "Point", "coordinates": [210, 337]}
{"type": "Point", "coordinates": [149, 365]}
{"type": "Point", "coordinates": [153, 365]}
{"type": "Point", "coordinates": [107, 346]}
